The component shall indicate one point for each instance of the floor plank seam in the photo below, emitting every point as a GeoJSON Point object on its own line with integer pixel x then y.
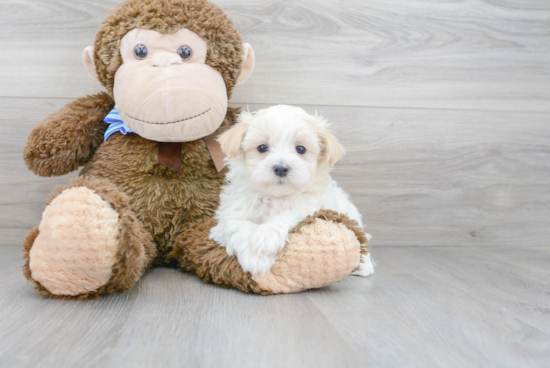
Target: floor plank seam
{"type": "Point", "coordinates": [450, 109]}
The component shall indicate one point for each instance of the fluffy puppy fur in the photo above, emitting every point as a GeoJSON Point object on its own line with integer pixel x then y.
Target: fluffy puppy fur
{"type": "Point", "coordinates": [279, 160]}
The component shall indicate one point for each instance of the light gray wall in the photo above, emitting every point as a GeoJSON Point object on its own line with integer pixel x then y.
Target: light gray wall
{"type": "Point", "coordinates": [443, 106]}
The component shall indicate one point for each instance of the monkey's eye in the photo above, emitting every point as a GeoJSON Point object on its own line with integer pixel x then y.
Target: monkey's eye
{"type": "Point", "coordinates": [263, 148]}
{"type": "Point", "coordinates": [140, 51]}
{"type": "Point", "coordinates": [185, 52]}
{"type": "Point", "coordinates": [301, 150]}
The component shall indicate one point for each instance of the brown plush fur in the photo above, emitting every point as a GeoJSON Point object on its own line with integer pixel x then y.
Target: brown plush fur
{"type": "Point", "coordinates": [210, 22]}
{"type": "Point", "coordinates": [162, 212]}
{"type": "Point", "coordinates": [159, 202]}
{"type": "Point", "coordinates": [166, 201]}
{"type": "Point", "coordinates": [68, 138]}
{"type": "Point", "coordinates": [196, 253]}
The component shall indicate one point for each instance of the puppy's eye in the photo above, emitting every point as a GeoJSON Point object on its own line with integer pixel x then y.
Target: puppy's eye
{"type": "Point", "coordinates": [301, 150]}
{"type": "Point", "coordinates": [185, 52]}
{"type": "Point", "coordinates": [140, 51]}
{"type": "Point", "coordinates": [263, 148]}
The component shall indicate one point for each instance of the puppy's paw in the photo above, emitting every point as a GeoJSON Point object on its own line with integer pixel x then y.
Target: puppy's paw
{"type": "Point", "coordinates": [366, 267]}
{"type": "Point", "coordinates": [256, 264]}
{"type": "Point", "coordinates": [261, 253]}
{"type": "Point", "coordinates": [268, 240]}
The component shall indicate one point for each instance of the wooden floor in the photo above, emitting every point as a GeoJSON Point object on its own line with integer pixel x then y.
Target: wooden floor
{"type": "Point", "coordinates": [444, 108]}
{"type": "Point", "coordinates": [425, 307]}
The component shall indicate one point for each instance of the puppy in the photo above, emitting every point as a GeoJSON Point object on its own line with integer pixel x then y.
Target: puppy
{"type": "Point", "coordinates": [279, 160]}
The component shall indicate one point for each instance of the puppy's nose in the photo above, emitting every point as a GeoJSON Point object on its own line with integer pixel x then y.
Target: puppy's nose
{"type": "Point", "coordinates": [281, 170]}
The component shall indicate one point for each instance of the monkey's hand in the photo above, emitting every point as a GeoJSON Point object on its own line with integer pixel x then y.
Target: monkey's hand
{"type": "Point", "coordinates": [68, 138]}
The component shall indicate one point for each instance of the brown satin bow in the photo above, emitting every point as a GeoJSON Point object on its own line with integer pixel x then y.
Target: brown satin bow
{"type": "Point", "coordinates": [169, 153]}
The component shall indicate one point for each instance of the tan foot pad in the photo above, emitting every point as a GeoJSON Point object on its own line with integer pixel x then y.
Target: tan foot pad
{"type": "Point", "coordinates": [76, 248]}
{"type": "Point", "coordinates": [320, 254]}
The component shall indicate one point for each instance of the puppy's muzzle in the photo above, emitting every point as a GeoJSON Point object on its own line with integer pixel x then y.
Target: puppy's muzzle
{"type": "Point", "coordinates": [281, 170]}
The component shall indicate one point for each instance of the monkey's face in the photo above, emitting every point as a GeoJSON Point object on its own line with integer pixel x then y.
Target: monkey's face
{"type": "Point", "coordinates": [164, 91]}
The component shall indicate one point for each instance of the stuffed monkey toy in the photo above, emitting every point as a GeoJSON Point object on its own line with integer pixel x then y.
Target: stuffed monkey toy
{"type": "Point", "coordinates": [153, 169]}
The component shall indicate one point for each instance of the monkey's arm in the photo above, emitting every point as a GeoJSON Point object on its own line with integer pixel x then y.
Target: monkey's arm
{"type": "Point", "coordinates": [68, 138]}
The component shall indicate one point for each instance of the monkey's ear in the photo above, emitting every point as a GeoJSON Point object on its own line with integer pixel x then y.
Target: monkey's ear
{"type": "Point", "coordinates": [88, 59]}
{"type": "Point", "coordinates": [231, 140]}
{"type": "Point", "coordinates": [248, 64]}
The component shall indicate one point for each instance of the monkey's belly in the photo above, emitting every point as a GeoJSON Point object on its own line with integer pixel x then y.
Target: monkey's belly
{"type": "Point", "coordinates": [166, 201]}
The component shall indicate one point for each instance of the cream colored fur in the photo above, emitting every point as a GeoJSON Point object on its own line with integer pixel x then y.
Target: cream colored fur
{"type": "Point", "coordinates": [180, 101]}
{"type": "Point", "coordinates": [76, 248]}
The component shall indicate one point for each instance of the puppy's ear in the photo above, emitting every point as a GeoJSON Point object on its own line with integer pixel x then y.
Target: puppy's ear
{"type": "Point", "coordinates": [332, 149]}
{"type": "Point", "coordinates": [231, 140]}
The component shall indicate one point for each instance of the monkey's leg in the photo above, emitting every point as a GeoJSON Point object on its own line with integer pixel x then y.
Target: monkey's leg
{"type": "Point", "coordinates": [321, 250]}
{"type": "Point", "coordinates": [195, 253]}
{"type": "Point", "coordinates": [88, 243]}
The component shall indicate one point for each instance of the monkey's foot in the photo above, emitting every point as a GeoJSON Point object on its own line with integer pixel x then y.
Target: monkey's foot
{"type": "Point", "coordinates": [83, 247]}
{"type": "Point", "coordinates": [75, 250]}
{"type": "Point", "coordinates": [322, 250]}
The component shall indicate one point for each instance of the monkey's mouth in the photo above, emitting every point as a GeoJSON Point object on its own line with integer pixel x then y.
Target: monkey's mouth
{"type": "Point", "coordinates": [172, 122]}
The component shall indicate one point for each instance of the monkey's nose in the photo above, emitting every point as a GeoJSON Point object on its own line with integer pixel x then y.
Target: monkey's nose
{"type": "Point", "coordinates": [281, 170]}
{"type": "Point", "coordinates": [165, 59]}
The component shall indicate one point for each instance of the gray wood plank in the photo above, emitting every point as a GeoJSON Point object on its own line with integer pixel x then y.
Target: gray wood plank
{"type": "Point", "coordinates": [424, 307]}
{"type": "Point", "coordinates": [489, 55]}
{"type": "Point", "coordinates": [481, 307]}
{"type": "Point", "coordinates": [419, 177]}
{"type": "Point", "coordinates": [22, 194]}
{"type": "Point", "coordinates": [226, 334]}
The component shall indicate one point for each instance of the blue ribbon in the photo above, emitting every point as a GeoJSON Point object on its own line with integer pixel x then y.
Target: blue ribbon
{"type": "Point", "coordinates": [115, 124]}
